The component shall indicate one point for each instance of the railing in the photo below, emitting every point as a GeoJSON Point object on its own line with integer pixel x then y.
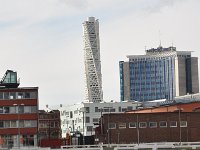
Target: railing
{"type": "Point", "coordinates": [152, 146]}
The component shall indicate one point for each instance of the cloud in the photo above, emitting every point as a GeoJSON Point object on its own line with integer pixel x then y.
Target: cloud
{"type": "Point", "coordinates": [42, 40]}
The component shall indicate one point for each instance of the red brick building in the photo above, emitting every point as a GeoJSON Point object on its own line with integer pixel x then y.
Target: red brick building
{"type": "Point", "coordinates": [49, 125]}
{"type": "Point", "coordinates": [18, 113]}
{"type": "Point", "coordinates": [149, 127]}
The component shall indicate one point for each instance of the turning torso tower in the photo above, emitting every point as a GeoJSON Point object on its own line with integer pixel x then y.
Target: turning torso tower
{"type": "Point", "coordinates": [92, 60]}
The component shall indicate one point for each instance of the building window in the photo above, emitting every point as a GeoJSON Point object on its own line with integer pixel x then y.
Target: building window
{"type": "Point", "coordinates": [12, 95]}
{"type": "Point", "coordinates": [89, 128]}
{"type": "Point", "coordinates": [124, 109]}
{"type": "Point", "coordinates": [173, 124]}
{"type": "Point", "coordinates": [20, 95]}
{"type": "Point", "coordinates": [6, 95]}
{"type": "Point", "coordinates": [152, 124]}
{"type": "Point", "coordinates": [122, 125]}
{"type": "Point", "coordinates": [142, 124]}
{"type": "Point", "coordinates": [112, 110]}
{"type": "Point", "coordinates": [6, 124]}
{"type": "Point", "coordinates": [1, 124]}
{"type": "Point", "coordinates": [13, 124]}
{"type": "Point", "coordinates": [130, 108]}
{"type": "Point", "coordinates": [27, 95]}
{"type": "Point", "coordinates": [96, 109]}
{"type": "Point", "coordinates": [183, 124]}
{"type": "Point", "coordinates": [87, 109]}
{"type": "Point", "coordinates": [112, 125]}
{"type": "Point", "coordinates": [132, 125]}
{"type": "Point", "coordinates": [119, 109]}
{"type": "Point", "coordinates": [96, 120]}
{"type": "Point", "coordinates": [163, 124]}
{"type": "Point", "coordinates": [87, 119]}
{"type": "Point", "coordinates": [1, 110]}
{"type": "Point", "coordinates": [6, 110]}
{"type": "Point", "coordinates": [1, 95]}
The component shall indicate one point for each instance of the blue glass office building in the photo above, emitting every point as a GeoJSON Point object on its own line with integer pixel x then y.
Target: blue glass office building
{"type": "Point", "coordinates": [162, 73]}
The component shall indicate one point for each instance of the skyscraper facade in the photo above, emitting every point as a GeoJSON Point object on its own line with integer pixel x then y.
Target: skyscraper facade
{"type": "Point", "coordinates": [163, 73]}
{"type": "Point", "coordinates": [92, 60]}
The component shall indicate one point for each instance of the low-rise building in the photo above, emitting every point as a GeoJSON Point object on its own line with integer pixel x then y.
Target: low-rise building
{"type": "Point", "coordinates": [49, 125]}
{"type": "Point", "coordinates": [149, 127]}
{"type": "Point", "coordinates": [18, 113]}
{"type": "Point", "coordinates": [84, 117]}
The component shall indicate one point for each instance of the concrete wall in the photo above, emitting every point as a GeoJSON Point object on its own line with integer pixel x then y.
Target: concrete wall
{"type": "Point", "coordinates": [195, 75]}
{"type": "Point", "coordinates": [126, 72]}
{"type": "Point", "coordinates": [182, 76]}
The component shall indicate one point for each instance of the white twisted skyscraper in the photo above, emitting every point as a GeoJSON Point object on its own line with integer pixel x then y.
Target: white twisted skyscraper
{"type": "Point", "coordinates": [92, 60]}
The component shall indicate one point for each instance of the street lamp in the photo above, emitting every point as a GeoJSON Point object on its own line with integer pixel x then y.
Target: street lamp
{"type": "Point", "coordinates": [17, 110]}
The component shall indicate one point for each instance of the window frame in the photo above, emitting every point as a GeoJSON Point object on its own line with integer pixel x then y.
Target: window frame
{"type": "Point", "coordinates": [122, 125]}
{"type": "Point", "coordinates": [142, 123]}
{"type": "Point", "coordinates": [173, 126]}
{"type": "Point", "coordinates": [183, 126]}
{"type": "Point", "coordinates": [163, 122]}
{"type": "Point", "coordinates": [133, 123]}
{"type": "Point", "coordinates": [156, 124]}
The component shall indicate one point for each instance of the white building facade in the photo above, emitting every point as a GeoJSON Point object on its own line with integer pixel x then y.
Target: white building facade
{"type": "Point", "coordinates": [82, 116]}
{"type": "Point", "coordinates": [92, 60]}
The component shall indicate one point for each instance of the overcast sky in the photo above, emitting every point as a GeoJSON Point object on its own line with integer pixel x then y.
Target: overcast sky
{"type": "Point", "coordinates": [42, 40]}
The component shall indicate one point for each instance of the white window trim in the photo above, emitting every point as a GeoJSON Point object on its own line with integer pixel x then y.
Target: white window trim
{"type": "Point", "coordinates": [143, 127]}
{"type": "Point", "coordinates": [134, 123]}
{"type": "Point", "coordinates": [153, 126]}
{"type": "Point", "coordinates": [183, 126]}
{"type": "Point", "coordinates": [122, 125]}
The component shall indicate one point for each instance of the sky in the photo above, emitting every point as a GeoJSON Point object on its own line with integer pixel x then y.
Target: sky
{"type": "Point", "coordinates": [42, 40]}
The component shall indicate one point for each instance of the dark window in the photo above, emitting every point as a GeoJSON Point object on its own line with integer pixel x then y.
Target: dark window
{"type": "Point", "coordinates": [87, 120]}
{"type": "Point", "coordinates": [87, 109]}
{"type": "Point", "coordinates": [96, 109]}
{"type": "Point", "coordinates": [89, 128]}
{"type": "Point", "coordinates": [1, 124]}
{"type": "Point", "coordinates": [71, 114]}
{"type": "Point", "coordinates": [163, 124]}
{"type": "Point", "coordinates": [1, 95]}
{"type": "Point", "coordinates": [6, 110]}
{"type": "Point", "coordinates": [27, 95]}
